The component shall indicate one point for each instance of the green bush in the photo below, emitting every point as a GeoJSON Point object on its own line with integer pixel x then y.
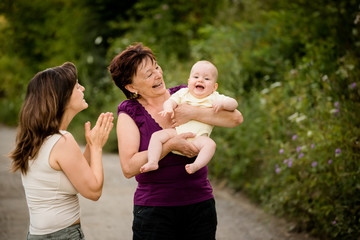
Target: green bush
{"type": "Point", "coordinates": [313, 173]}
{"type": "Point", "coordinates": [297, 151]}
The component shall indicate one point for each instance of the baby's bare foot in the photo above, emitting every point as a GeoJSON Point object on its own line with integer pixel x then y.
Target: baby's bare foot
{"type": "Point", "coordinates": [191, 168]}
{"type": "Point", "coordinates": [149, 167]}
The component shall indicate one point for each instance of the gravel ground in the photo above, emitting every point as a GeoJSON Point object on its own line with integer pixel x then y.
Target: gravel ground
{"type": "Point", "coordinates": [110, 217]}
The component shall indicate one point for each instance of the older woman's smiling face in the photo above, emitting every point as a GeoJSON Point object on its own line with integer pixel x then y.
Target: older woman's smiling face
{"type": "Point", "coordinates": [148, 80]}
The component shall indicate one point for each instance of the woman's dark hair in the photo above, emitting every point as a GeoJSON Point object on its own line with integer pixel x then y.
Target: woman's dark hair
{"type": "Point", "coordinates": [47, 96]}
{"type": "Point", "coordinates": [123, 67]}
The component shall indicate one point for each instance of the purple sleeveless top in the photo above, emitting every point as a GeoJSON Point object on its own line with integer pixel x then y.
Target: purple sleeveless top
{"type": "Point", "coordinates": [170, 185]}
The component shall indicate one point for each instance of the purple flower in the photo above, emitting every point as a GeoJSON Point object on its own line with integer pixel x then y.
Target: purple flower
{"type": "Point", "coordinates": [333, 222]}
{"type": "Point", "coordinates": [312, 146]}
{"type": "Point", "coordinates": [301, 155]}
{"type": "Point", "coordinates": [314, 164]}
{"type": "Point", "coordinates": [294, 137]}
{"type": "Point", "coordinates": [337, 151]}
{"type": "Point", "coordinates": [330, 161]}
{"type": "Point", "coordinates": [290, 163]}
{"type": "Point", "coordinates": [353, 85]}
{"type": "Point", "coordinates": [277, 169]}
{"type": "Point", "coordinates": [281, 151]}
{"type": "Point", "coordinates": [298, 149]}
{"type": "Point", "coordinates": [285, 161]}
{"type": "Point", "coordinates": [336, 104]}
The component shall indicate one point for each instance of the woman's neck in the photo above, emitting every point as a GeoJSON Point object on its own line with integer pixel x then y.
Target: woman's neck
{"type": "Point", "coordinates": [154, 101]}
{"type": "Point", "coordinates": [64, 125]}
{"type": "Point", "coordinates": [153, 106]}
{"type": "Point", "coordinates": [65, 121]}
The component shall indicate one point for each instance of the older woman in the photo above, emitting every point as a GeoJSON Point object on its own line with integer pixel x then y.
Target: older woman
{"type": "Point", "coordinates": [168, 202]}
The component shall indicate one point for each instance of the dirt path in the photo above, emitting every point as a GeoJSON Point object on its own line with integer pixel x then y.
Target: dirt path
{"type": "Point", "coordinates": [110, 218]}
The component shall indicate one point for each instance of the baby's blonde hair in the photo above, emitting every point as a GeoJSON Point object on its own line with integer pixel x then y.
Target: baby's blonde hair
{"type": "Point", "coordinates": [207, 62]}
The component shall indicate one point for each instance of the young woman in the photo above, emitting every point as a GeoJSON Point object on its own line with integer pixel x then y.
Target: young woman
{"type": "Point", "coordinates": [53, 168]}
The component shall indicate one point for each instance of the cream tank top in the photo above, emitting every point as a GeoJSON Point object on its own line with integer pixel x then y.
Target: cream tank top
{"type": "Point", "coordinates": [52, 200]}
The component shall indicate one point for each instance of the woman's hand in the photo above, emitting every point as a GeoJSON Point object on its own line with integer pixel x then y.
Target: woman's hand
{"type": "Point", "coordinates": [217, 106]}
{"type": "Point", "coordinates": [98, 136]}
{"type": "Point", "coordinates": [180, 144]}
{"type": "Point", "coordinates": [183, 113]}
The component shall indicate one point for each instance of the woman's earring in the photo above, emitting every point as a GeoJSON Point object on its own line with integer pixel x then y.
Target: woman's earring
{"type": "Point", "coordinates": [136, 92]}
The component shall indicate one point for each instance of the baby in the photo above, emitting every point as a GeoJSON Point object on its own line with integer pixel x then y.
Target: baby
{"type": "Point", "coordinates": [201, 91]}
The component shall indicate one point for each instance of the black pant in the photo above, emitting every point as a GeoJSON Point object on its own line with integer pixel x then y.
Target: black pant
{"type": "Point", "coordinates": [191, 222]}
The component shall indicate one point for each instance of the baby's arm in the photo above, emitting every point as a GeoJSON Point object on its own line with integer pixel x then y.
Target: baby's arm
{"type": "Point", "coordinates": [169, 106]}
{"type": "Point", "coordinates": [227, 103]}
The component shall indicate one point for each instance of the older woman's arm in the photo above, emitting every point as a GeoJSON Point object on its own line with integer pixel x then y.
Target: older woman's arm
{"type": "Point", "coordinates": [131, 159]}
{"type": "Point", "coordinates": [128, 137]}
{"type": "Point", "coordinates": [186, 112]}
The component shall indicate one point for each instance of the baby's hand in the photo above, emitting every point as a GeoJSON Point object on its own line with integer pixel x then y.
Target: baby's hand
{"type": "Point", "coordinates": [217, 106]}
{"type": "Point", "coordinates": [165, 112]}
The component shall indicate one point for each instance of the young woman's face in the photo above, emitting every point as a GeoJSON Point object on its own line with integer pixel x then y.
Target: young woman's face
{"type": "Point", "coordinates": [148, 81]}
{"type": "Point", "coordinates": [202, 80]}
{"type": "Point", "coordinates": [77, 102]}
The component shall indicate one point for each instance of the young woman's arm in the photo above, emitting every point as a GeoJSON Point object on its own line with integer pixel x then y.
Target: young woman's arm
{"type": "Point", "coordinates": [87, 180]}
{"type": "Point", "coordinates": [86, 175]}
{"type": "Point", "coordinates": [87, 153]}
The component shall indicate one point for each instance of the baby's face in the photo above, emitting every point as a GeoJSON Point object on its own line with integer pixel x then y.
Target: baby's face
{"type": "Point", "coordinates": [202, 80]}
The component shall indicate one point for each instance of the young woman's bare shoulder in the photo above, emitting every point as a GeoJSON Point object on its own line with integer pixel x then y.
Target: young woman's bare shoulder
{"type": "Point", "coordinates": [64, 149]}
{"type": "Point", "coordinates": [67, 139]}
{"type": "Point", "coordinates": [66, 146]}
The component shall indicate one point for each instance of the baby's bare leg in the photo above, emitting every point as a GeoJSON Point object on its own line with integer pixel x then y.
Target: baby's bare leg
{"type": "Point", "coordinates": [155, 148]}
{"type": "Point", "coordinates": [207, 148]}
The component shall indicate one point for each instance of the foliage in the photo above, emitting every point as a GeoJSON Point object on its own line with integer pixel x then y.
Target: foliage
{"type": "Point", "coordinates": [314, 164]}
{"type": "Point", "coordinates": [42, 34]}
{"type": "Point", "coordinates": [167, 25]}
{"type": "Point", "coordinates": [33, 39]}
{"type": "Point", "coordinates": [298, 87]}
